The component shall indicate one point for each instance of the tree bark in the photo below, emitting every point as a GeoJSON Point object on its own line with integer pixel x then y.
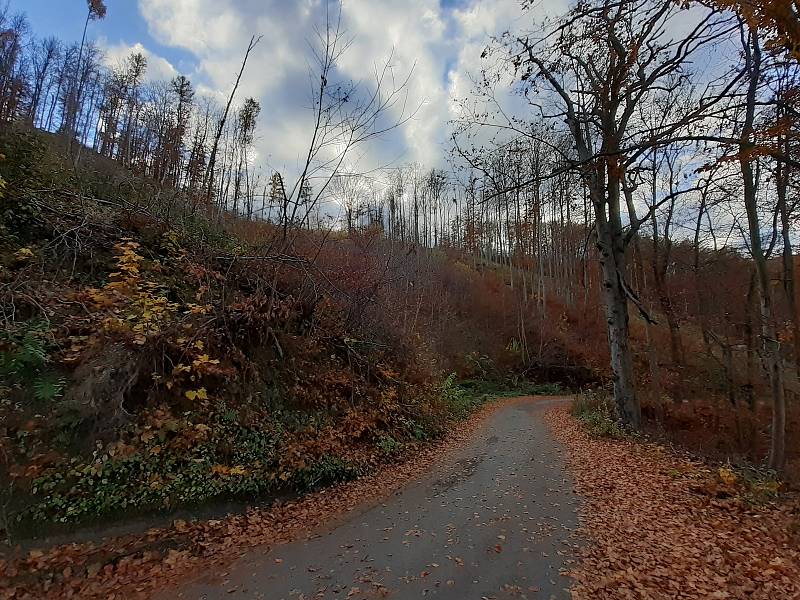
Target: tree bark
{"type": "Point", "coordinates": [618, 325]}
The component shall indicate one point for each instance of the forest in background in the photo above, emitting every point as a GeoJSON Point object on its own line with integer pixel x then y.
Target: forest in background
{"type": "Point", "coordinates": [186, 325]}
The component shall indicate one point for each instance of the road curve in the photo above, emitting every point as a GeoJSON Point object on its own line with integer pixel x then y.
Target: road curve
{"type": "Point", "coordinates": [493, 521]}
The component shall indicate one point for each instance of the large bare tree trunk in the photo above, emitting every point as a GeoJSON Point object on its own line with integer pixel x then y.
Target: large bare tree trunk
{"type": "Point", "coordinates": [606, 194]}
{"type": "Point", "coordinates": [612, 262]}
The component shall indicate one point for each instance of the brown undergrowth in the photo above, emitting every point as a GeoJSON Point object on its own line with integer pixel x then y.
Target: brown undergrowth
{"type": "Point", "coordinates": [662, 526]}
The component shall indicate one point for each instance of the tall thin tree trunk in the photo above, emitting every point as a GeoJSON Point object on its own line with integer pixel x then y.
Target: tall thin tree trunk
{"type": "Point", "coordinates": [770, 345]}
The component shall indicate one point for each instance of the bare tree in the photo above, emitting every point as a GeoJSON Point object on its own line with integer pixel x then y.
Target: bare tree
{"type": "Point", "coordinates": [346, 115]}
{"type": "Point", "coordinates": [597, 70]}
{"type": "Point", "coordinates": [13, 30]}
{"type": "Point", "coordinates": [45, 55]}
{"type": "Point", "coordinates": [96, 9]}
{"type": "Point", "coordinates": [212, 161]}
{"type": "Point", "coordinates": [770, 344]}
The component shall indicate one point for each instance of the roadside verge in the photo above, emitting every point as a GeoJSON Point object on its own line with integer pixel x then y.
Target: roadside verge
{"type": "Point", "coordinates": [663, 526]}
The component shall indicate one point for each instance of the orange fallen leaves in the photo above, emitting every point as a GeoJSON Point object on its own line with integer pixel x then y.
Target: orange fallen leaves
{"type": "Point", "coordinates": [655, 533]}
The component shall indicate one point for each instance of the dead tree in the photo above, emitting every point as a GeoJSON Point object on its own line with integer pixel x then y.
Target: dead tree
{"type": "Point", "coordinates": [209, 183]}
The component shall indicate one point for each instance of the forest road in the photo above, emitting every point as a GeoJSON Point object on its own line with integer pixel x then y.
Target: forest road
{"type": "Point", "coordinates": [492, 521]}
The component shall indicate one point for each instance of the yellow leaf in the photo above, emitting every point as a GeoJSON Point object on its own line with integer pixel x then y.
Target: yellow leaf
{"type": "Point", "coordinates": [727, 476]}
{"type": "Point", "coordinates": [23, 254]}
{"type": "Point", "coordinates": [200, 394]}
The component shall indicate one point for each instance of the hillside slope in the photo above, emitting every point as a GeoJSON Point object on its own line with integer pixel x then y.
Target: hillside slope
{"type": "Point", "coordinates": [155, 354]}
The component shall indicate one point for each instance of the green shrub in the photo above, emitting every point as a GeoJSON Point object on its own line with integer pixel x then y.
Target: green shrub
{"type": "Point", "coordinates": [762, 486]}
{"type": "Point", "coordinates": [508, 388]}
{"type": "Point", "coordinates": [481, 365]}
{"type": "Point", "coordinates": [595, 411]}
{"type": "Point", "coordinates": [463, 397]}
{"type": "Point", "coordinates": [197, 231]}
{"type": "Point", "coordinates": [327, 471]}
{"type": "Point", "coordinates": [460, 400]}
{"type": "Point", "coordinates": [24, 169]}
{"type": "Point", "coordinates": [417, 429]}
{"type": "Point", "coordinates": [538, 389]}
{"type": "Point", "coordinates": [388, 445]}
{"type": "Point", "coordinates": [235, 461]}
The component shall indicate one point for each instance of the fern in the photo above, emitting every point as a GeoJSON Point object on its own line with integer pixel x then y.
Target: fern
{"type": "Point", "coordinates": [48, 387]}
{"type": "Point", "coordinates": [32, 352]}
{"type": "Point", "coordinates": [24, 359]}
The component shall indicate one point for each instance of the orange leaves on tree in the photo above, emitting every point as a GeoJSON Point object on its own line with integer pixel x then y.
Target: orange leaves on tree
{"type": "Point", "coordinates": [726, 476]}
{"type": "Point", "coordinates": [780, 19]}
{"type": "Point", "coordinates": [226, 471]}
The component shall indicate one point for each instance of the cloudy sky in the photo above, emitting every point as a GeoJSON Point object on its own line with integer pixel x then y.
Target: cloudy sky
{"type": "Point", "coordinates": [441, 40]}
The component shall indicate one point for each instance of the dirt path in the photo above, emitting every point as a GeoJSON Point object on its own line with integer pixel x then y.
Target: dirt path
{"type": "Point", "coordinates": [492, 522]}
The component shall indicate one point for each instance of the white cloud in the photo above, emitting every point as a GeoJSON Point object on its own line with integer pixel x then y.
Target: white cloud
{"type": "Point", "coordinates": [199, 26]}
{"type": "Point", "coordinates": [442, 45]}
{"type": "Point", "coordinates": [158, 68]}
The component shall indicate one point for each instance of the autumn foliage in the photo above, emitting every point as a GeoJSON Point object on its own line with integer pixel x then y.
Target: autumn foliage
{"type": "Point", "coordinates": [176, 360]}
